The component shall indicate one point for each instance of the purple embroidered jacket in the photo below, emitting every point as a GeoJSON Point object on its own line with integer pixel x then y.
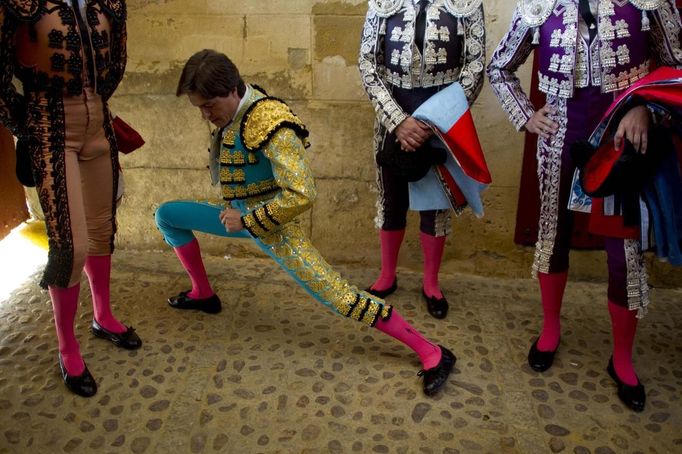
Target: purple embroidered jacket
{"type": "Point", "coordinates": [631, 35]}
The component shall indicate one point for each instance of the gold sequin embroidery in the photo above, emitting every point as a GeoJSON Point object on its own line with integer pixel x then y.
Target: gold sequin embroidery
{"type": "Point", "coordinates": [228, 175]}
{"type": "Point", "coordinates": [236, 158]}
{"type": "Point", "coordinates": [264, 118]}
{"type": "Point", "coordinates": [252, 189]}
{"type": "Point", "coordinates": [229, 137]}
{"type": "Point", "coordinates": [263, 219]}
{"type": "Point", "coordinates": [251, 225]}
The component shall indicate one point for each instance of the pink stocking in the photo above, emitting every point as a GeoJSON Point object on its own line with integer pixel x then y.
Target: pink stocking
{"type": "Point", "coordinates": [396, 327]}
{"type": "Point", "coordinates": [390, 247]}
{"type": "Point", "coordinates": [552, 288]}
{"type": "Point", "coordinates": [623, 327]}
{"type": "Point", "coordinates": [65, 305]}
{"type": "Point", "coordinates": [432, 248]}
{"type": "Point", "coordinates": [190, 257]}
{"type": "Point", "coordinates": [98, 269]}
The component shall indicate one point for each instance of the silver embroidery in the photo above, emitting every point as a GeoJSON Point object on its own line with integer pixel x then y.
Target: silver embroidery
{"type": "Point", "coordinates": [636, 279]}
{"type": "Point", "coordinates": [398, 35]}
{"type": "Point", "coordinates": [607, 31]}
{"type": "Point", "coordinates": [471, 75]}
{"type": "Point", "coordinates": [647, 4]}
{"type": "Point", "coordinates": [553, 86]}
{"type": "Point", "coordinates": [385, 8]}
{"type": "Point", "coordinates": [535, 12]}
{"type": "Point", "coordinates": [608, 56]}
{"type": "Point", "coordinates": [555, 41]}
{"type": "Point", "coordinates": [462, 8]}
{"type": "Point", "coordinates": [599, 70]}
{"type": "Point", "coordinates": [665, 35]}
{"type": "Point", "coordinates": [623, 54]}
{"type": "Point", "coordinates": [582, 65]}
{"type": "Point", "coordinates": [613, 82]}
{"type": "Point", "coordinates": [622, 29]}
{"type": "Point", "coordinates": [513, 50]}
{"type": "Point", "coordinates": [568, 43]}
{"type": "Point", "coordinates": [569, 38]}
{"type": "Point", "coordinates": [395, 57]}
{"type": "Point", "coordinates": [379, 134]}
{"type": "Point", "coordinates": [370, 64]}
{"type": "Point", "coordinates": [607, 7]}
{"type": "Point", "coordinates": [443, 223]}
{"type": "Point", "coordinates": [595, 65]}
{"type": "Point", "coordinates": [418, 69]}
{"type": "Point", "coordinates": [549, 175]}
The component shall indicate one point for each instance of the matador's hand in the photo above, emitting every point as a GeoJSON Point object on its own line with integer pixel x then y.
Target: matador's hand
{"type": "Point", "coordinates": [232, 220]}
{"type": "Point", "coordinates": [635, 127]}
{"type": "Point", "coordinates": [412, 133]}
{"type": "Point", "coordinates": [541, 124]}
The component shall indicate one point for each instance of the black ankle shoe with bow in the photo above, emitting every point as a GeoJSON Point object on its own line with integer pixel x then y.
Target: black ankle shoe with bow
{"type": "Point", "coordinates": [127, 339]}
{"type": "Point", "coordinates": [210, 305]}
{"type": "Point", "coordinates": [84, 384]}
{"type": "Point", "coordinates": [435, 378]}
{"type": "Point", "coordinates": [437, 307]}
{"type": "Point", "coordinates": [538, 360]}
{"type": "Point", "coordinates": [383, 293]}
{"type": "Point", "coordinates": [634, 397]}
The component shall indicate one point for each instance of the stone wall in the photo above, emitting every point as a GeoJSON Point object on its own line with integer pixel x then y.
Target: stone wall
{"type": "Point", "coordinates": [305, 52]}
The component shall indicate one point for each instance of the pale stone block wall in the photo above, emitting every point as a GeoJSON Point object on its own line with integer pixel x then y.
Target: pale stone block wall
{"type": "Point", "coordinates": [305, 52]}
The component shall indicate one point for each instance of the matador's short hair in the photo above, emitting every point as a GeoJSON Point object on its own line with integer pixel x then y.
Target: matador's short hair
{"type": "Point", "coordinates": [210, 74]}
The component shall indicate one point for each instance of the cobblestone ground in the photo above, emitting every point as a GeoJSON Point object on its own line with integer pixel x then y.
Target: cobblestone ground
{"type": "Point", "coordinates": [277, 373]}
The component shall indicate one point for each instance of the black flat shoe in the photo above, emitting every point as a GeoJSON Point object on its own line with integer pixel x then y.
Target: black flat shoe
{"type": "Point", "coordinates": [538, 360]}
{"type": "Point", "coordinates": [84, 384]}
{"type": "Point", "coordinates": [435, 378]}
{"type": "Point", "coordinates": [127, 339]}
{"type": "Point", "coordinates": [210, 305]}
{"type": "Point", "coordinates": [437, 307]}
{"type": "Point", "coordinates": [634, 397]}
{"type": "Point", "coordinates": [383, 293]}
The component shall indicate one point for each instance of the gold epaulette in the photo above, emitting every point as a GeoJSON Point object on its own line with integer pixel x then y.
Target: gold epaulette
{"type": "Point", "coordinates": [264, 118]}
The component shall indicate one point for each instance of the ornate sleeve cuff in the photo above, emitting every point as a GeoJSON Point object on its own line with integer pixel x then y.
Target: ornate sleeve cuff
{"type": "Point", "coordinates": [262, 220]}
{"type": "Point", "coordinates": [521, 115]}
{"type": "Point", "coordinates": [395, 120]}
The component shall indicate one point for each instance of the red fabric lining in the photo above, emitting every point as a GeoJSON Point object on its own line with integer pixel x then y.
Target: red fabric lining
{"type": "Point", "coordinates": [599, 166]}
{"type": "Point", "coordinates": [463, 141]}
{"type": "Point", "coordinates": [612, 226]}
{"type": "Point", "coordinates": [454, 190]}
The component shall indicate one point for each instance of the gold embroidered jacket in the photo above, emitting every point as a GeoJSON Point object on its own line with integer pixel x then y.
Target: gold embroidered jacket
{"type": "Point", "coordinates": [263, 162]}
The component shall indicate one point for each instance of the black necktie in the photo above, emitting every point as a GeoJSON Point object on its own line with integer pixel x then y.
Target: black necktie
{"type": "Point", "coordinates": [420, 25]}
{"type": "Point", "coordinates": [588, 17]}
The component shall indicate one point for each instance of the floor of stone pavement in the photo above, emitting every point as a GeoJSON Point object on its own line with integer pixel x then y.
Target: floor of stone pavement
{"type": "Point", "coordinates": [275, 372]}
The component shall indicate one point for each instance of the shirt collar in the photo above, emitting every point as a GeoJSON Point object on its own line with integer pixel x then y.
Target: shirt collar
{"type": "Point", "coordinates": [247, 95]}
